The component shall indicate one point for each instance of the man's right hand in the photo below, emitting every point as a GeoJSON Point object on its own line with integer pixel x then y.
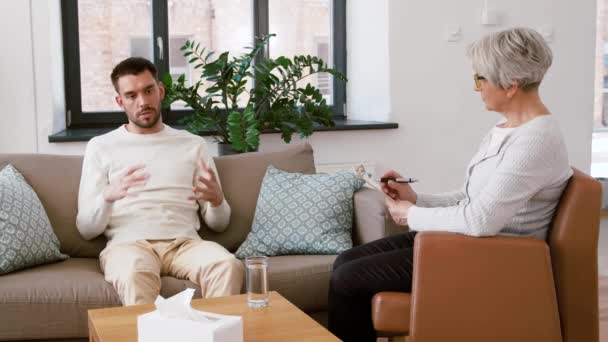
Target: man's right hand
{"type": "Point", "coordinates": [401, 191]}
{"type": "Point", "coordinates": [119, 188]}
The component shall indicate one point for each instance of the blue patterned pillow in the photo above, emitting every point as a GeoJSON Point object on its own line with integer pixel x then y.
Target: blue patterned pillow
{"type": "Point", "coordinates": [26, 236]}
{"type": "Point", "coordinates": [302, 214]}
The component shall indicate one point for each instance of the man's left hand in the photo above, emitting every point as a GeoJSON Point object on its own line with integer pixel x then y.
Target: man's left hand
{"type": "Point", "coordinates": [398, 209]}
{"type": "Point", "coordinates": [206, 187]}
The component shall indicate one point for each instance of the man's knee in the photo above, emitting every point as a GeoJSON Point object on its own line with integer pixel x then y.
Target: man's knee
{"type": "Point", "coordinates": [232, 265]}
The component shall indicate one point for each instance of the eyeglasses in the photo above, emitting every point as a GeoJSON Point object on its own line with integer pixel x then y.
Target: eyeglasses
{"type": "Point", "coordinates": [478, 80]}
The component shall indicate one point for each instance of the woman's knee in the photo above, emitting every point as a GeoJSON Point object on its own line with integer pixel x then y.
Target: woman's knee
{"type": "Point", "coordinates": [344, 257]}
{"type": "Point", "coordinates": [343, 280]}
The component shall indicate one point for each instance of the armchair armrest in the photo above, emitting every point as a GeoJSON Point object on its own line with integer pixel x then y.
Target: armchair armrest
{"type": "Point", "coordinates": [371, 220]}
{"type": "Point", "coordinates": [482, 289]}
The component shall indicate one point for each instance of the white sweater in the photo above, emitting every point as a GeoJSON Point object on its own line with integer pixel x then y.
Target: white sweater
{"type": "Point", "coordinates": [512, 185]}
{"type": "Point", "coordinates": [158, 210]}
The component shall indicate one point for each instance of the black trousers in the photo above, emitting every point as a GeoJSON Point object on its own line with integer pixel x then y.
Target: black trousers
{"type": "Point", "coordinates": [361, 272]}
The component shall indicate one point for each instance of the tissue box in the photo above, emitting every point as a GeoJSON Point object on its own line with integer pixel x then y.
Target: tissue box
{"type": "Point", "coordinates": [152, 327]}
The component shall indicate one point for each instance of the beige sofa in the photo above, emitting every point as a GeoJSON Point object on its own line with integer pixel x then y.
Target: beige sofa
{"type": "Point", "coordinates": [51, 301]}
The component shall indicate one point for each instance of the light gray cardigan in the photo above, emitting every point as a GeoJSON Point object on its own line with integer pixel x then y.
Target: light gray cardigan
{"type": "Point", "coordinates": [511, 188]}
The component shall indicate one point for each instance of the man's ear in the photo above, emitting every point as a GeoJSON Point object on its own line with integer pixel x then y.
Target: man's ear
{"type": "Point", "coordinates": [119, 101]}
{"type": "Point", "coordinates": [161, 89]}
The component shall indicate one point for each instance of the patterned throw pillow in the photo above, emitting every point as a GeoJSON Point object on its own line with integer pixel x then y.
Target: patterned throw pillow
{"type": "Point", "coordinates": [302, 214]}
{"type": "Point", "coordinates": [26, 236]}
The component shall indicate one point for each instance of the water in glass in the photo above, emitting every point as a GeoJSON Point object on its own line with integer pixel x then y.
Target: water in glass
{"type": "Point", "coordinates": [257, 281]}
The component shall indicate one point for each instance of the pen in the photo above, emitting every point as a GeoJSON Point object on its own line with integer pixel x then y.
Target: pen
{"type": "Point", "coordinates": [398, 180]}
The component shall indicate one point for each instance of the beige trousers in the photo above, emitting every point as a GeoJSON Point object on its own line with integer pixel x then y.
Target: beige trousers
{"type": "Point", "coordinates": [134, 269]}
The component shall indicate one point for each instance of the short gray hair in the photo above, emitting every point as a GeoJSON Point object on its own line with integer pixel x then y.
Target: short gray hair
{"type": "Point", "coordinates": [518, 55]}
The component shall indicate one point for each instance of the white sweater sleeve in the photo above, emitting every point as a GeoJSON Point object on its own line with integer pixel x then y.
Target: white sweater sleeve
{"type": "Point", "coordinates": [216, 218]}
{"type": "Point", "coordinates": [446, 199]}
{"type": "Point", "coordinates": [93, 211]}
{"type": "Point", "coordinates": [521, 173]}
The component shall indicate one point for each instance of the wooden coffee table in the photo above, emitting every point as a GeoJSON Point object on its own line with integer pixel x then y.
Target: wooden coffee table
{"type": "Point", "coordinates": [281, 321]}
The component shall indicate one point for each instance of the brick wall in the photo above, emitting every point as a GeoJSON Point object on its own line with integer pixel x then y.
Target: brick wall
{"type": "Point", "coordinates": [108, 27]}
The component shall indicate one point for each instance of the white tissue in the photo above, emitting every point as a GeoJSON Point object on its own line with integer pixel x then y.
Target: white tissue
{"type": "Point", "coordinates": [175, 320]}
{"type": "Point", "coordinates": [178, 307]}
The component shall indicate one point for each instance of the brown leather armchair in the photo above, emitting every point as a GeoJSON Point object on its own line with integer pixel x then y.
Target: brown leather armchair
{"type": "Point", "coordinates": [504, 288]}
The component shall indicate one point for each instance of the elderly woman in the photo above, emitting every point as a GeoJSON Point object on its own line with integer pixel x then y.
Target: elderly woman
{"type": "Point", "coordinates": [512, 184]}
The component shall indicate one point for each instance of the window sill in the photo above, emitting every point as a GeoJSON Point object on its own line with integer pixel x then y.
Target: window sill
{"type": "Point", "coordinates": [85, 134]}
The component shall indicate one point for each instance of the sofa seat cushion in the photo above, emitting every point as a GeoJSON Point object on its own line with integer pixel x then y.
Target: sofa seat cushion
{"type": "Point", "coordinates": [52, 300]}
{"type": "Point", "coordinates": [302, 279]}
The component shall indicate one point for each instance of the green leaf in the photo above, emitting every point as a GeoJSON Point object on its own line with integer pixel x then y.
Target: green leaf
{"type": "Point", "coordinates": [286, 133]}
{"type": "Point", "coordinates": [276, 101]}
{"type": "Point", "coordinates": [235, 131]}
{"type": "Point", "coordinates": [209, 55]}
{"type": "Point", "coordinates": [167, 80]}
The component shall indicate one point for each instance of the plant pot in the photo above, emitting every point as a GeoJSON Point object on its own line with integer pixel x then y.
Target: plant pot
{"type": "Point", "coordinates": [225, 149]}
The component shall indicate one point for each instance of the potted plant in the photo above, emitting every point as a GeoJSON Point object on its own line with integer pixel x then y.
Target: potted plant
{"type": "Point", "coordinates": [224, 101]}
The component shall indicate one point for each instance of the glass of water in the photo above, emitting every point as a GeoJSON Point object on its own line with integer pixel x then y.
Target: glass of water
{"type": "Point", "coordinates": [257, 281]}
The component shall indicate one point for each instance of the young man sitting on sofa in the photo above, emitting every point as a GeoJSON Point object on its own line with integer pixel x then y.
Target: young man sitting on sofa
{"type": "Point", "coordinates": [141, 186]}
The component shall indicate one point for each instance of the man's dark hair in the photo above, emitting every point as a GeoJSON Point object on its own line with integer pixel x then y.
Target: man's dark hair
{"type": "Point", "coordinates": [132, 66]}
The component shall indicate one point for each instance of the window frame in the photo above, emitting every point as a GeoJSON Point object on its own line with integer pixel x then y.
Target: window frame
{"type": "Point", "coordinates": [75, 118]}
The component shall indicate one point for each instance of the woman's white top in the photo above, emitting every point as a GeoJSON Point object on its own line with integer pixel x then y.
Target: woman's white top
{"type": "Point", "coordinates": [512, 185]}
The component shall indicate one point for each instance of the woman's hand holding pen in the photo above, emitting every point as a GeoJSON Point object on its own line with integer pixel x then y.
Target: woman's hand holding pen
{"type": "Point", "coordinates": [400, 197]}
{"type": "Point", "coordinates": [398, 191]}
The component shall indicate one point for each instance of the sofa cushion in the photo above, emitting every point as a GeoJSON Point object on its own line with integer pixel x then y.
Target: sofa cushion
{"type": "Point", "coordinates": [241, 178]}
{"type": "Point", "coordinates": [302, 279]}
{"type": "Point", "coordinates": [52, 300]}
{"type": "Point", "coordinates": [302, 214]}
{"type": "Point", "coordinates": [26, 236]}
{"type": "Point", "coordinates": [56, 180]}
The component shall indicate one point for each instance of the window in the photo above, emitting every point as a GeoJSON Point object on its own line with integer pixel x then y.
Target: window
{"type": "Point", "coordinates": [100, 33]}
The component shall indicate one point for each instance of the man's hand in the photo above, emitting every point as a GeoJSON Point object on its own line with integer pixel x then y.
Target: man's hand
{"type": "Point", "coordinates": [206, 187]}
{"type": "Point", "coordinates": [398, 191]}
{"type": "Point", "coordinates": [399, 210]}
{"type": "Point", "coordinates": [118, 189]}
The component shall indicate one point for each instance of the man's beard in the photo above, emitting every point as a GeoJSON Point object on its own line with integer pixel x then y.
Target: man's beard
{"type": "Point", "coordinates": [141, 123]}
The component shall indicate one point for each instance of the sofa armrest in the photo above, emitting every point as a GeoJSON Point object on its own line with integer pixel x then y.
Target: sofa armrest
{"type": "Point", "coordinates": [371, 220]}
{"type": "Point", "coordinates": [482, 289]}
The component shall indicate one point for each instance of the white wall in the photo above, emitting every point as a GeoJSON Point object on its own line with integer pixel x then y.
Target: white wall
{"type": "Point", "coordinates": [400, 68]}
{"type": "Point", "coordinates": [441, 118]}
{"type": "Point", "coordinates": [368, 62]}
{"type": "Point", "coordinates": [17, 100]}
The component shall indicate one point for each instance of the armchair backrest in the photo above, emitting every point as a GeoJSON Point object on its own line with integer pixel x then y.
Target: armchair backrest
{"type": "Point", "coordinates": [573, 241]}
